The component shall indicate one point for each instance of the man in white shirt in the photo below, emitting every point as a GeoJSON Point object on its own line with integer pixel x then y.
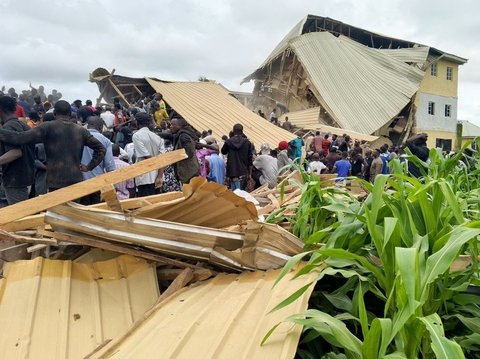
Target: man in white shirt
{"type": "Point", "coordinates": [316, 166]}
{"type": "Point", "coordinates": [146, 144]}
{"type": "Point", "coordinates": [108, 118]}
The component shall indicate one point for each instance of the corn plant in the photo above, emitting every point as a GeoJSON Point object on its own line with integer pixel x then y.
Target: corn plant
{"type": "Point", "coordinates": [406, 236]}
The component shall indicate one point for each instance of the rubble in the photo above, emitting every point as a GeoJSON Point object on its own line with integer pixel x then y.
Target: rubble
{"type": "Point", "coordinates": [180, 240]}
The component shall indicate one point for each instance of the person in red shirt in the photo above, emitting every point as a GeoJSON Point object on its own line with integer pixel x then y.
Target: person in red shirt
{"type": "Point", "coordinates": [317, 142]}
{"type": "Point", "coordinates": [326, 145]}
{"type": "Point", "coordinates": [19, 111]}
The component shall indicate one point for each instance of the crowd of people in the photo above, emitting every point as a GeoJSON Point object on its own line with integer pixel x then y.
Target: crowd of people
{"type": "Point", "coordinates": [52, 148]}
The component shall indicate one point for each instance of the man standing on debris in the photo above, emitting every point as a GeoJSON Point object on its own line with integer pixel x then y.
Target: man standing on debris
{"type": "Point", "coordinates": [183, 136]}
{"type": "Point", "coordinates": [146, 144]}
{"type": "Point", "coordinates": [64, 142]}
{"type": "Point", "coordinates": [161, 109]}
{"type": "Point", "coordinates": [94, 126]}
{"type": "Point", "coordinates": [239, 158]}
{"type": "Point", "coordinates": [287, 125]}
{"type": "Point", "coordinates": [17, 161]}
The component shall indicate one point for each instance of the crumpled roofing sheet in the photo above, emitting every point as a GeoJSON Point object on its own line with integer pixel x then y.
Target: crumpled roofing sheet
{"type": "Point", "coordinates": [309, 119]}
{"type": "Point", "coordinates": [411, 54]}
{"type": "Point", "coordinates": [207, 105]}
{"type": "Point", "coordinates": [205, 204]}
{"type": "Point", "coordinates": [267, 245]}
{"type": "Point", "coordinates": [61, 309]}
{"type": "Point", "coordinates": [361, 88]}
{"type": "Point", "coordinates": [226, 317]}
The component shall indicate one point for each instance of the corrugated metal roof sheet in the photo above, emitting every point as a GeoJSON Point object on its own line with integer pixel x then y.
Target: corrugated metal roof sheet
{"type": "Point", "coordinates": [205, 204]}
{"type": "Point", "coordinates": [61, 309]}
{"type": "Point", "coordinates": [361, 88]}
{"type": "Point", "coordinates": [470, 130]}
{"type": "Point", "coordinates": [225, 317]}
{"type": "Point", "coordinates": [412, 54]}
{"type": "Point", "coordinates": [262, 246]}
{"type": "Point", "coordinates": [207, 105]}
{"type": "Point", "coordinates": [309, 118]}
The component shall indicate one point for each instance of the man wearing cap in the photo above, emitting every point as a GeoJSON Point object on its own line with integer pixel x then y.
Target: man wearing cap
{"type": "Point", "coordinates": [282, 157]}
{"type": "Point", "coordinates": [267, 165]}
{"type": "Point", "coordinates": [239, 158]}
{"type": "Point", "coordinates": [146, 144]}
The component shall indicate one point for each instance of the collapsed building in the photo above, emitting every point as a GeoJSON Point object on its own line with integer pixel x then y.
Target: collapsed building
{"type": "Point", "coordinates": [360, 81]}
{"type": "Point", "coordinates": [204, 105]}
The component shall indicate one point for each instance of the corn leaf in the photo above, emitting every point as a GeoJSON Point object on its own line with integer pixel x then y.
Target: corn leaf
{"type": "Point", "coordinates": [442, 347]}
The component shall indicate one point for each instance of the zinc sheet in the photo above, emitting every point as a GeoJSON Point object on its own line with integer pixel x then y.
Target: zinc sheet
{"type": "Point", "coordinates": [412, 54]}
{"type": "Point", "coordinates": [208, 105]}
{"type": "Point", "coordinates": [206, 204]}
{"type": "Point", "coordinates": [361, 88]}
{"type": "Point", "coordinates": [225, 317]}
{"type": "Point", "coordinates": [61, 309]}
{"type": "Point", "coordinates": [309, 118]}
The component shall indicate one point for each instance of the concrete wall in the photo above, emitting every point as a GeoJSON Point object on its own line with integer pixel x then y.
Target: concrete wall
{"type": "Point", "coordinates": [439, 85]}
{"type": "Point", "coordinates": [438, 121]}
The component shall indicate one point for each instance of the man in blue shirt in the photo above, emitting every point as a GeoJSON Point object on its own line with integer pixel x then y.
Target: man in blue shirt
{"type": "Point", "coordinates": [95, 126]}
{"type": "Point", "coordinates": [342, 168]}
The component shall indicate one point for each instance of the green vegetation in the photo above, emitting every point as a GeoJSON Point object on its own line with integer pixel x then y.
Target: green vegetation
{"type": "Point", "coordinates": [388, 291]}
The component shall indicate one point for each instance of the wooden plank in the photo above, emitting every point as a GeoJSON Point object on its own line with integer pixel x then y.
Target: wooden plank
{"type": "Point", "coordinates": [181, 281]}
{"type": "Point", "coordinates": [10, 236]}
{"type": "Point", "coordinates": [121, 249]}
{"type": "Point", "coordinates": [109, 195]}
{"type": "Point", "coordinates": [119, 92]}
{"type": "Point", "coordinates": [38, 220]}
{"type": "Point", "coordinates": [14, 253]}
{"type": "Point", "coordinates": [70, 193]}
{"type": "Point", "coordinates": [199, 274]}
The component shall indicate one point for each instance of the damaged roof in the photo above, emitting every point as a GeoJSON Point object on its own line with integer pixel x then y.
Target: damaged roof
{"type": "Point", "coordinates": [207, 105]}
{"type": "Point", "coordinates": [360, 88]}
{"type": "Point", "coordinates": [225, 317]}
{"type": "Point", "coordinates": [63, 309]}
{"type": "Point", "coordinates": [315, 23]}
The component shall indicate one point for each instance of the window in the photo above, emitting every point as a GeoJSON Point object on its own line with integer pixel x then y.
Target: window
{"type": "Point", "coordinates": [448, 109]}
{"type": "Point", "coordinates": [444, 144]}
{"type": "Point", "coordinates": [449, 73]}
{"type": "Point", "coordinates": [433, 69]}
{"type": "Point", "coordinates": [431, 108]}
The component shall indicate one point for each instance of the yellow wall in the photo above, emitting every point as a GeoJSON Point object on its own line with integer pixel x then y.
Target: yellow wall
{"type": "Point", "coordinates": [439, 85]}
{"type": "Point", "coordinates": [433, 135]}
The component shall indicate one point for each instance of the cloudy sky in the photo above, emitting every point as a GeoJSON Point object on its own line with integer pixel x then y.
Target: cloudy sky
{"type": "Point", "coordinates": [57, 43]}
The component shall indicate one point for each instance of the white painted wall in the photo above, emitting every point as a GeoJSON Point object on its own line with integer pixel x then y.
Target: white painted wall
{"type": "Point", "coordinates": [438, 121]}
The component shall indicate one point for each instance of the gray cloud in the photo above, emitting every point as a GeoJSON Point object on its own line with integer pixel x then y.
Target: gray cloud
{"type": "Point", "coordinates": [58, 42]}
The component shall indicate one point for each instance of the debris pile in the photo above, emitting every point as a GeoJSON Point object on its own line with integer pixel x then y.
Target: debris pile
{"type": "Point", "coordinates": [79, 277]}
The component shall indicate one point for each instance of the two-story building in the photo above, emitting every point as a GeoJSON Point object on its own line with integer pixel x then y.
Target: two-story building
{"type": "Point", "coordinates": [361, 81]}
{"type": "Point", "coordinates": [436, 102]}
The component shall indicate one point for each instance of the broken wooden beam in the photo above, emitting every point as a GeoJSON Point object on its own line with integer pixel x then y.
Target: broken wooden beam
{"type": "Point", "coordinates": [4, 235]}
{"type": "Point", "coordinates": [78, 190]}
{"type": "Point", "coordinates": [109, 195]}
{"type": "Point", "coordinates": [199, 274]}
{"type": "Point", "coordinates": [179, 282]}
